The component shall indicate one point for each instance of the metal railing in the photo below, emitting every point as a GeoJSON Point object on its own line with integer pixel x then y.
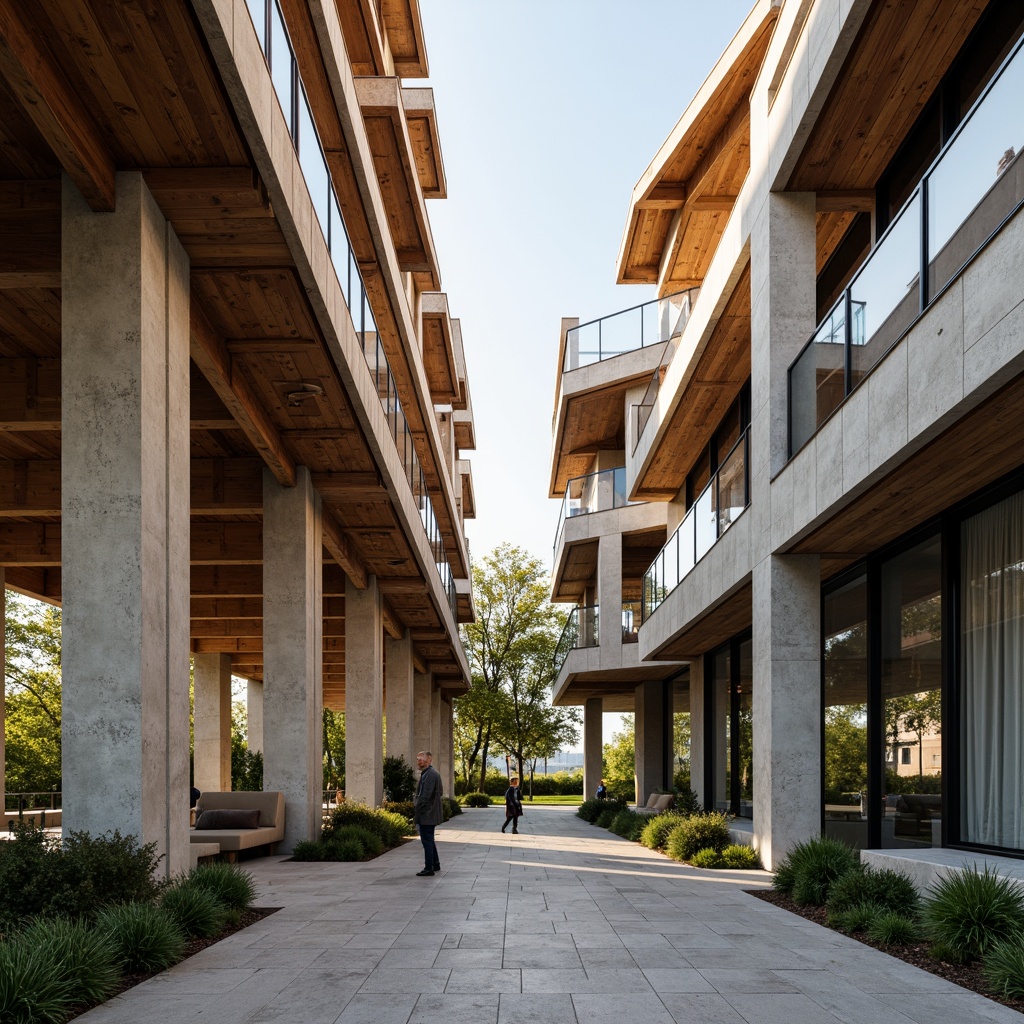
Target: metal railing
{"type": "Point", "coordinates": [275, 42]}
{"type": "Point", "coordinates": [582, 629]}
{"type": "Point", "coordinates": [593, 492]}
{"type": "Point", "coordinates": [719, 505]}
{"type": "Point", "coordinates": [973, 187]}
{"type": "Point", "coordinates": [48, 799]}
{"type": "Point", "coordinates": [651, 323]}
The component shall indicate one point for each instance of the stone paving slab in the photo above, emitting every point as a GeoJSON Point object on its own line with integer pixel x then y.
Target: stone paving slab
{"type": "Point", "coordinates": [561, 924]}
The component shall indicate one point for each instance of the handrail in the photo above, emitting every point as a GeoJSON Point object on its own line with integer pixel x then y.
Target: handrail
{"type": "Point", "coordinates": [921, 252]}
{"type": "Point", "coordinates": [719, 505]}
{"type": "Point", "coordinates": [275, 42]}
{"type": "Point", "coordinates": [581, 629]}
{"type": "Point", "coordinates": [650, 323]}
{"type": "Point", "coordinates": [590, 496]}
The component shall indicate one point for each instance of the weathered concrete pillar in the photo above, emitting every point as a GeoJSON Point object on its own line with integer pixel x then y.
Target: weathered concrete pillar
{"type": "Point", "coordinates": [593, 746]}
{"type": "Point", "coordinates": [787, 703]}
{"type": "Point", "coordinates": [652, 753]}
{"type": "Point", "coordinates": [398, 695]}
{"type": "Point", "coordinates": [443, 759]}
{"type": "Point", "coordinates": [254, 714]}
{"type": "Point", "coordinates": [364, 694]}
{"type": "Point", "coordinates": [435, 722]}
{"type": "Point", "coordinates": [422, 689]}
{"type": "Point", "coordinates": [125, 521]}
{"type": "Point", "coordinates": [212, 721]}
{"type": "Point", "coordinates": [698, 783]}
{"type": "Point", "coordinates": [609, 598]}
{"type": "Point", "coordinates": [293, 651]}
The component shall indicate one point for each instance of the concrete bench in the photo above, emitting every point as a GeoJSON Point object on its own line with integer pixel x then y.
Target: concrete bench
{"type": "Point", "coordinates": [657, 803]}
{"type": "Point", "coordinates": [268, 833]}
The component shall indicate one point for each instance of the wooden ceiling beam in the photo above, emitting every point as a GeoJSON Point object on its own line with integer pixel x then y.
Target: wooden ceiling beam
{"type": "Point", "coordinates": [853, 200]}
{"type": "Point", "coordinates": [339, 488]}
{"type": "Point", "coordinates": [733, 132]}
{"type": "Point", "coordinates": [226, 608]}
{"type": "Point", "coordinates": [338, 547]}
{"type": "Point", "coordinates": [57, 111]}
{"type": "Point", "coordinates": [393, 625]}
{"type": "Point", "coordinates": [212, 357]}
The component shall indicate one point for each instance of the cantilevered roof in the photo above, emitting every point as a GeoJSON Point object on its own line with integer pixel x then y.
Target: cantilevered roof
{"type": "Point", "coordinates": [426, 143]}
{"type": "Point", "coordinates": [681, 203]}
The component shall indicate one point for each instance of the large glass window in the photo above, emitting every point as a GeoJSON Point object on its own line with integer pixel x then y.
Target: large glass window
{"type": "Point", "coordinates": [846, 712]}
{"type": "Point", "coordinates": [733, 741]}
{"type": "Point", "coordinates": [911, 673]}
{"type": "Point", "coordinates": [992, 676]}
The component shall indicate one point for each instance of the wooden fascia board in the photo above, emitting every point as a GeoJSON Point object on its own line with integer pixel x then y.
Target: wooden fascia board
{"type": "Point", "coordinates": [55, 109]}
{"type": "Point", "coordinates": [462, 401]}
{"type": "Point", "coordinates": [434, 307]}
{"type": "Point", "coordinates": [403, 16]}
{"type": "Point", "coordinates": [419, 105]}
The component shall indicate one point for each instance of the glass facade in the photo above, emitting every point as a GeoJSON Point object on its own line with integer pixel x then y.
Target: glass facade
{"type": "Point", "coordinates": [729, 682]}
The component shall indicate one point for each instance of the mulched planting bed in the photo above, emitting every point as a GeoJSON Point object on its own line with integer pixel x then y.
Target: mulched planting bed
{"type": "Point", "coordinates": [965, 975]}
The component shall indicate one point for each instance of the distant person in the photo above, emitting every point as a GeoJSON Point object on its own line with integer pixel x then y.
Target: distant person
{"type": "Point", "coordinates": [602, 791]}
{"type": "Point", "coordinates": [427, 811]}
{"type": "Point", "coordinates": [194, 798]}
{"type": "Point", "coordinates": [513, 805]}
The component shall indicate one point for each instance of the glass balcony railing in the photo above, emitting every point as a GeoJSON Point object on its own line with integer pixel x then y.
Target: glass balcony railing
{"type": "Point", "coordinates": [975, 184]}
{"type": "Point", "coordinates": [595, 492]}
{"type": "Point", "coordinates": [581, 630]}
{"type": "Point", "coordinates": [719, 505]}
{"type": "Point", "coordinates": [632, 616]}
{"type": "Point", "coordinates": [652, 323]}
{"type": "Point", "coordinates": [275, 43]}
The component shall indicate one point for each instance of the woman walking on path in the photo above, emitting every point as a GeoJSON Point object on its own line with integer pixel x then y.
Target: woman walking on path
{"type": "Point", "coordinates": [513, 805]}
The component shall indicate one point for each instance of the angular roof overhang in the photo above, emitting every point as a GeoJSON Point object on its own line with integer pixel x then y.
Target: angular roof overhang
{"type": "Point", "coordinates": [439, 348]}
{"type": "Point", "coordinates": [404, 29]}
{"type": "Point", "coordinates": [426, 143]}
{"type": "Point", "coordinates": [468, 498]}
{"type": "Point", "coordinates": [681, 203]}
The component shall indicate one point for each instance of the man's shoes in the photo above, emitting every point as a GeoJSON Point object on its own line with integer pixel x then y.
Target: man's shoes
{"type": "Point", "coordinates": [423, 874]}
{"type": "Point", "coordinates": [437, 867]}
{"type": "Point", "coordinates": [515, 831]}
{"type": "Point", "coordinates": [505, 826]}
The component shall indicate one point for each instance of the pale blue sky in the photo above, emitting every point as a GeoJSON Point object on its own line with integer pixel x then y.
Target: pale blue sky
{"type": "Point", "coordinates": [548, 112]}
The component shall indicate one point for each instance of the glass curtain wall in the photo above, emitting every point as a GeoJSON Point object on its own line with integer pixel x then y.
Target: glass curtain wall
{"type": "Point", "coordinates": [992, 676]}
{"type": "Point", "coordinates": [845, 631]}
{"type": "Point", "coordinates": [911, 676]}
{"type": "Point", "coordinates": [732, 742]}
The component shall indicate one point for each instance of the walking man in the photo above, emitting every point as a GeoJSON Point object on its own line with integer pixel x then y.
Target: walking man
{"type": "Point", "coordinates": [427, 812]}
{"type": "Point", "coordinates": [513, 805]}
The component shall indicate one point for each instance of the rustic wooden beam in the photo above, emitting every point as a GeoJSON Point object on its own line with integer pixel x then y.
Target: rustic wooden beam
{"type": "Point", "coordinates": [29, 394]}
{"type": "Point", "coordinates": [210, 354]}
{"type": "Point", "coordinates": [226, 543]}
{"type": "Point", "coordinates": [56, 109]}
{"type": "Point", "coordinates": [339, 488]}
{"type": "Point", "coordinates": [733, 133]}
{"type": "Point", "coordinates": [854, 200]}
{"type": "Point", "coordinates": [226, 608]}
{"type": "Point", "coordinates": [392, 623]}
{"type": "Point", "coordinates": [339, 548]}
{"type": "Point", "coordinates": [227, 580]}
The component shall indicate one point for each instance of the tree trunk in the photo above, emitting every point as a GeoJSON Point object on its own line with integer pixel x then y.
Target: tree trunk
{"type": "Point", "coordinates": [483, 767]}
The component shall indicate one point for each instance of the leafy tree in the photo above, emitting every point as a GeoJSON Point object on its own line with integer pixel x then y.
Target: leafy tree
{"type": "Point", "coordinates": [334, 749]}
{"type": "Point", "coordinates": [620, 761]}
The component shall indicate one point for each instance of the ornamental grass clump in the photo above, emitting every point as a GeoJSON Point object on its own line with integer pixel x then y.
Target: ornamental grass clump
{"type": "Point", "coordinates": [742, 857]}
{"type": "Point", "coordinates": [308, 850]}
{"type": "Point", "coordinates": [700, 832]}
{"type": "Point", "coordinates": [886, 889]}
{"type": "Point", "coordinates": [970, 911]}
{"type": "Point", "coordinates": [893, 928]}
{"type": "Point", "coordinates": [707, 858]}
{"type": "Point", "coordinates": [198, 913]}
{"type": "Point", "coordinates": [229, 883]}
{"type": "Point", "coordinates": [85, 958]}
{"type": "Point", "coordinates": [856, 918]}
{"type": "Point", "coordinates": [657, 829]}
{"type": "Point", "coordinates": [1003, 967]}
{"type": "Point", "coordinates": [812, 868]}
{"type": "Point", "coordinates": [33, 989]}
{"type": "Point", "coordinates": [145, 938]}
{"type": "Point", "coordinates": [628, 824]}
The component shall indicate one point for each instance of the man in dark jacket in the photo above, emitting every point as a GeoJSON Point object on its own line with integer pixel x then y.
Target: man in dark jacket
{"type": "Point", "coordinates": [513, 805]}
{"type": "Point", "coordinates": [427, 812]}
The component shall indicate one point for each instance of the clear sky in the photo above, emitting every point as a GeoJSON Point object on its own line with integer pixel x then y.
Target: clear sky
{"type": "Point", "coordinates": [548, 112]}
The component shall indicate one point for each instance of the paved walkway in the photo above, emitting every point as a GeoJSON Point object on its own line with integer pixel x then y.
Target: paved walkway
{"type": "Point", "coordinates": [561, 924]}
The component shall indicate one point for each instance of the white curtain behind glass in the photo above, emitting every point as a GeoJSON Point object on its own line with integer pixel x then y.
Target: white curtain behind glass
{"type": "Point", "coordinates": [992, 678]}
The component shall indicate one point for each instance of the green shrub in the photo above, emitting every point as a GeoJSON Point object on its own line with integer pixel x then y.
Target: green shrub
{"type": "Point", "coordinates": [406, 808]}
{"type": "Point", "coordinates": [390, 827]}
{"type": "Point", "coordinates": [145, 938]}
{"type": "Point", "coordinates": [33, 988]}
{"type": "Point", "coordinates": [628, 824]}
{"type": "Point", "coordinates": [707, 858]}
{"type": "Point", "coordinates": [738, 856]}
{"type": "Point", "coordinates": [857, 918]}
{"type": "Point", "coordinates": [889, 890]}
{"type": "Point", "coordinates": [607, 816]}
{"type": "Point", "coordinates": [813, 867]}
{"type": "Point", "coordinates": [687, 801]}
{"type": "Point", "coordinates": [590, 809]}
{"type": "Point", "coordinates": [699, 832]}
{"type": "Point", "coordinates": [1003, 967]}
{"type": "Point", "coordinates": [347, 850]}
{"type": "Point", "coordinates": [450, 807]}
{"type": "Point", "coordinates": [197, 912]}
{"type": "Point", "coordinates": [970, 911]}
{"type": "Point", "coordinates": [399, 781]}
{"type": "Point", "coordinates": [892, 928]}
{"type": "Point", "coordinates": [230, 884]}
{"type": "Point", "coordinates": [476, 800]}
{"type": "Point", "coordinates": [372, 844]}
{"type": "Point", "coordinates": [86, 959]}
{"type": "Point", "coordinates": [657, 828]}
{"type": "Point", "coordinates": [308, 850]}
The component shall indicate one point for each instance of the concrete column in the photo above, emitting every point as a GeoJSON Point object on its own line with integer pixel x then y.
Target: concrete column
{"type": "Point", "coordinates": [254, 714]}
{"type": "Point", "coordinates": [293, 652]}
{"type": "Point", "coordinates": [443, 756]}
{"type": "Point", "coordinates": [697, 711]}
{"type": "Point", "coordinates": [651, 753]}
{"type": "Point", "coordinates": [435, 722]}
{"type": "Point", "coordinates": [3, 695]}
{"type": "Point", "coordinates": [609, 599]}
{"type": "Point", "coordinates": [422, 689]}
{"type": "Point", "coordinates": [364, 694]}
{"type": "Point", "coordinates": [212, 721]}
{"type": "Point", "coordinates": [398, 694]}
{"type": "Point", "coordinates": [786, 703]}
{"type": "Point", "coordinates": [593, 745]}
{"type": "Point", "coordinates": [125, 521]}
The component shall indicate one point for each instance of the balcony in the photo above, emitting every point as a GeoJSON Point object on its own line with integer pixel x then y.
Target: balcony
{"type": "Point", "coordinates": [652, 323]}
{"type": "Point", "coordinates": [581, 630]}
{"type": "Point", "coordinates": [974, 186]}
{"type": "Point", "coordinates": [595, 492]}
{"type": "Point", "coordinates": [719, 505]}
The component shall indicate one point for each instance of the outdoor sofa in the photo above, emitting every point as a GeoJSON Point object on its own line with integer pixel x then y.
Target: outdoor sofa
{"type": "Point", "coordinates": [244, 830]}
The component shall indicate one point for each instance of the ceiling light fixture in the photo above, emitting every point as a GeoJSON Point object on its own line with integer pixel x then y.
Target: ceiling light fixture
{"type": "Point", "coordinates": [299, 393]}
